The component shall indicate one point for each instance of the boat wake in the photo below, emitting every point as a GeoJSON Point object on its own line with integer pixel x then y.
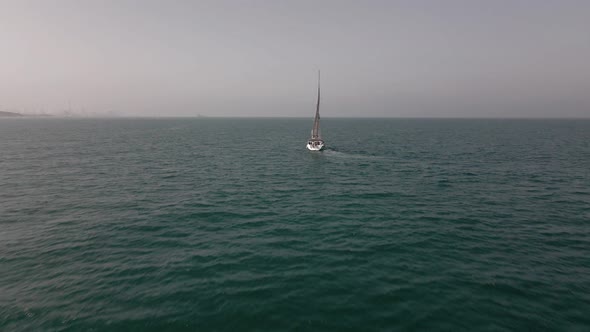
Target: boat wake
{"type": "Point", "coordinates": [331, 152]}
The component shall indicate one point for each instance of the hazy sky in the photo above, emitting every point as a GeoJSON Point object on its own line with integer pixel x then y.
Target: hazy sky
{"type": "Point", "coordinates": [411, 58]}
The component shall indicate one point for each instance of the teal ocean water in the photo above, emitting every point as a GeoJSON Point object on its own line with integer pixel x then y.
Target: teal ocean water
{"type": "Point", "coordinates": [212, 224]}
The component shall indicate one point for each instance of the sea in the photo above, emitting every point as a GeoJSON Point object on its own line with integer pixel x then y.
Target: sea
{"type": "Point", "coordinates": [230, 224]}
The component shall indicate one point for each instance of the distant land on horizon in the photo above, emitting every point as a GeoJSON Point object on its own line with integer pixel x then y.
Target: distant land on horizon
{"type": "Point", "coordinates": [2, 113]}
{"type": "Point", "coordinates": [139, 116]}
{"type": "Point", "coordinates": [16, 114]}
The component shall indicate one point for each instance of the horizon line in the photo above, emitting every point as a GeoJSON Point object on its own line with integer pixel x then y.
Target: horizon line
{"type": "Point", "coordinates": [59, 116]}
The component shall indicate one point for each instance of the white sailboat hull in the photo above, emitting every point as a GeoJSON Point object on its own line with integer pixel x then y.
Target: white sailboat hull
{"type": "Point", "coordinates": [318, 146]}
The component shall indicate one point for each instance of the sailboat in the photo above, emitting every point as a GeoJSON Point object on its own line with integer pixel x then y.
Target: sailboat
{"type": "Point", "coordinates": [315, 143]}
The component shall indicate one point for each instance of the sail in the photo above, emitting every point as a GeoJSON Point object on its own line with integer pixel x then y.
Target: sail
{"type": "Point", "coordinates": [315, 132]}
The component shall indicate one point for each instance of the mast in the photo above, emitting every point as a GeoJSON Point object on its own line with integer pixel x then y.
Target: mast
{"type": "Point", "coordinates": [315, 132]}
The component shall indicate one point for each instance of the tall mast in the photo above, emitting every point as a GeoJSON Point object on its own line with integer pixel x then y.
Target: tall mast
{"type": "Point", "coordinates": [317, 111]}
{"type": "Point", "coordinates": [315, 133]}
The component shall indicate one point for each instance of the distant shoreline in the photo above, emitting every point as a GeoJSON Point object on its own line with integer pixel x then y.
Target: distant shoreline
{"type": "Point", "coordinates": [10, 114]}
{"type": "Point", "coordinates": [20, 115]}
{"type": "Point", "coordinates": [4, 114]}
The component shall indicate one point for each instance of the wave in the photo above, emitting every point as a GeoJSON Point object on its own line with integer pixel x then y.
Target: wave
{"type": "Point", "coordinates": [333, 152]}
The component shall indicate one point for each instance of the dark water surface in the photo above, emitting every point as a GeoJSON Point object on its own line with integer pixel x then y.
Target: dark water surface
{"type": "Point", "coordinates": [231, 225]}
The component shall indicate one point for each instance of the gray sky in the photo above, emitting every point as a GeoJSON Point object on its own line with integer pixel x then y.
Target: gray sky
{"type": "Point", "coordinates": [467, 58]}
